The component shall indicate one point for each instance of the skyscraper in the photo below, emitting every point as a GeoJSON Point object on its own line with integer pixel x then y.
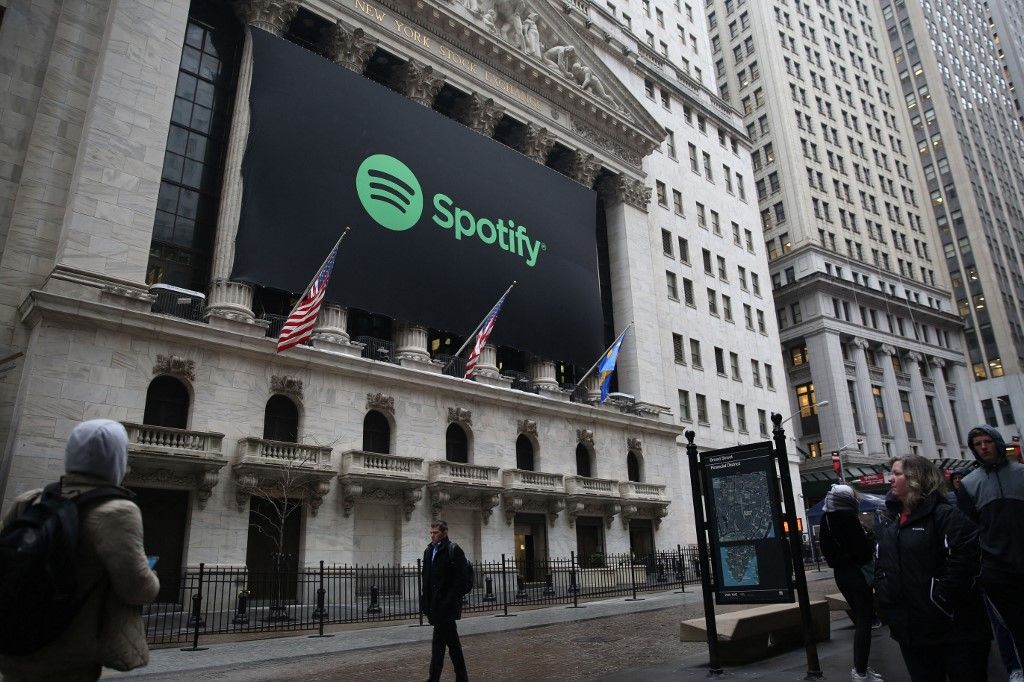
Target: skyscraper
{"type": "Point", "coordinates": [967, 130]}
{"type": "Point", "coordinates": [861, 296]}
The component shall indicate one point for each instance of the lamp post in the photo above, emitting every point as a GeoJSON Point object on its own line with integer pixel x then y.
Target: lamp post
{"type": "Point", "coordinates": [821, 403]}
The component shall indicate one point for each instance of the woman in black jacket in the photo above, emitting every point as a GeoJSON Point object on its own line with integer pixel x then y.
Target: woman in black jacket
{"type": "Point", "coordinates": [847, 550]}
{"type": "Point", "coordinates": [927, 561]}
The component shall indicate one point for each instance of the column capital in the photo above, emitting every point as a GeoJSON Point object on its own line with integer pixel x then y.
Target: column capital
{"type": "Point", "coordinates": [861, 343]}
{"type": "Point", "coordinates": [419, 82]}
{"type": "Point", "coordinates": [626, 190]}
{"type": "Point", "coordinates": [937, 362]}
{"type": "Point", "coordinates": [537, 142]}
{"type": "Point", "coordinates": [583, 167]}
{"type": "Point", "coordinates": [886, 349]}
{"type": "Point", "coordinates": [349, 47]}
{"type": "Point", "coordinates": [480, 113]}
{"type": "Point", "coordinates": [272, 16]}
{"type": "Point", "coordinates": [915, 357]}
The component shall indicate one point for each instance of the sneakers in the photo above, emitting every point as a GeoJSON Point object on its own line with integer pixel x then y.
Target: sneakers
{"type": "Point", "coordinates": [1017, 675]}
{"type": "Point", "coordinates": [869, 676]}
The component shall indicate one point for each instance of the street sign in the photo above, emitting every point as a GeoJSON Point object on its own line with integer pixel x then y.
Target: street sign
{"type": "Point", "coordinates": [871, 479]}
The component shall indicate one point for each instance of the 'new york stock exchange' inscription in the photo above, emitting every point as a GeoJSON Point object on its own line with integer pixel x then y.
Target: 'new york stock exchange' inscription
{"type": "Point", "coordinates": [453, 57]}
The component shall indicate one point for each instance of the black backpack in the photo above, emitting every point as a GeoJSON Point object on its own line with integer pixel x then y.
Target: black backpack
{"type": "Point", "coordinates": [37, 569]}
{"type": "Point", "coordinates": [467, 587]}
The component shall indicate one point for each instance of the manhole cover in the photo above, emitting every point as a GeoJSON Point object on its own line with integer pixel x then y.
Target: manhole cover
{"type": "Point", "coordinates": [594, 639]}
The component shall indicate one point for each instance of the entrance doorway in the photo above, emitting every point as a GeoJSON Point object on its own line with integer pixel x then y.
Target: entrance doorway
{"type": "Point", "coordinates": [641, 537]}
{"type": "Point", "coordinates": [590, 542]}
{"type": "Point", "coordinates": [273, 570]}
{"type": "Point", "coordinates": [164, 523]}
{"type": "Point", "coordinates": [531, 546]}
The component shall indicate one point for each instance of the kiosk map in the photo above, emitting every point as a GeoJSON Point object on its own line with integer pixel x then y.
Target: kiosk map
{"type": "Point", "coordinates": [744, 515]}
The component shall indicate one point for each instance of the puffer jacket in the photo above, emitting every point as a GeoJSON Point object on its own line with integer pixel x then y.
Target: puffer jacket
{"type": "Point", "coordinates": [843, 540]}
{"type": "Point", "coordinates": [993, 497]}
{"type": "Point", "coordinates": [925, 574]}
{"type": "Point", "coordinates": [108, 630]}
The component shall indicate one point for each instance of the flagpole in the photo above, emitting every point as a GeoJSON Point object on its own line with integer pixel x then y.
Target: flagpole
{"type": "Point", "coordinates": [303, 294]}
{"type": "Point", "coordinates": [473, 334]}
{"type": "Point", "coordinates": [599, 359]}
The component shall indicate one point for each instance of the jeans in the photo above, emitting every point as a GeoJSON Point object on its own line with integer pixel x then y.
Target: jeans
{"type": "Point", "coordinates": [447, 635]}
{"type": "Point", "coordinates": [1007, 599]}
{"type": "Point", "coordinates": [855, 589]}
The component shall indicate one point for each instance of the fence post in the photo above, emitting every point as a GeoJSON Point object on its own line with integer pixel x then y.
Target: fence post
{"type": "Point", "coordinates": [504, 592]}
{"type": "Point", "coordinates": [489, 590]}
{"type": "Point", "coordinates": [321, 604]}
{"type": "Point", "coordinates": [419, 589]}
{"type": "Point", "coordinates": [573, 585]}
{"type": "Point", "coordinates": [680, 570]}
{"type": "Point", "coordinates": [197, 618]}
{"type": "Point", "coordinates": [632, 578]}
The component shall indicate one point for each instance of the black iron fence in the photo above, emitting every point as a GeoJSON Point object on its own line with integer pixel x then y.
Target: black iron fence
{"type": "Point", "coordinates": [218, 601]}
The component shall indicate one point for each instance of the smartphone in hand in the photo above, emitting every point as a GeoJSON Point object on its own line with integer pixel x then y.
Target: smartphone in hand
{"type": "Point", "coordinates": [152, 561]}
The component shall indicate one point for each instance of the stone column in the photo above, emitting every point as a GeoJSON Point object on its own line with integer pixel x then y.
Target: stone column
{"type": "Point", "coordinates": [829, 377]}
{"type": "Point", "coordinates": [232, 301]}
{"type": "Point", "coordinates": [486, 370]}
{"type": "Point", "coordinates": [544, 379]}
{"type": "Point", "coordinates": [943, 411]}
{"type": "Point", "coordinates": [866, 400]}
{"type": "Point", "coordinates": [536, 143]}
{"type": "Point", "coordinates": [633, 298]}
{"type": "Point", "coordinates": [411, 345]}
{"type": "Point", "coordinates": [419, 82]}
{"type": "Point", "coordinates": [482, 114]}
{"type": "Point", "coordinates": [919, 407]}
{"type": "Point", "coordinates": [593, 386]}
{"type": "Point", "coordinates": [583, 167]}
{"type": "Point", "coordinates": [968, 410]}
{"type": "Point", "coordinates": [331, 331]}
{"type": "Point", "coordinates": [891, 400]}
{"type": "Point", "coordinates": [349, 47]}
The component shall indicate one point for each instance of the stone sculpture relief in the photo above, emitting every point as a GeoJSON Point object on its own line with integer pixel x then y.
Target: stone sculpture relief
{"type": "Point", "coordinates": [513, 22]}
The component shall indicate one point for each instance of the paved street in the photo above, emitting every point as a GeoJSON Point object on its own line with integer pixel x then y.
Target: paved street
{"type": "Point", "coordinates": [610, 641]}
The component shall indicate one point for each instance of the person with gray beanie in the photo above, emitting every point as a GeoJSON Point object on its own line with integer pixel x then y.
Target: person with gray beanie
{"type": "Point", "coordinates": [847, 550]}
{"type": "Point", "coordinates": [113, 576]}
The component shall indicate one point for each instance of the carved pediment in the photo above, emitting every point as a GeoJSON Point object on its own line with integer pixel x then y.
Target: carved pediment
{"type": "Point", "coordinates": [380, 402]}
{"type": "Point", "coordinates": [286, 385]}
{"type": "Point", "coordinates": [528, 426]}
{"type": "Point", "coordinates": [585, 436]}
{"type": "Point", "coordinates": [528, 55]}
{"type": "Point", "coordinates": [460, 415]}
{"type": "Point", "coordinates": [175, 366]}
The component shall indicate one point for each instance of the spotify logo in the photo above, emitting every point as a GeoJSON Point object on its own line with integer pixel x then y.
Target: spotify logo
{"type": "Point", "coordinates": [389, 192]}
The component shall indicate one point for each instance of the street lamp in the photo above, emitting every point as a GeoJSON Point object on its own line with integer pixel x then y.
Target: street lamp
{"type": "Point", "coordinates": [839, 454]}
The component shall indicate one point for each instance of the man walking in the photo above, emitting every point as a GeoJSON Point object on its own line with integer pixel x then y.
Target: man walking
{"type": "Point", "coordinates": [444, 579]}
{"type": "Point", "coordinates": [993, 497]}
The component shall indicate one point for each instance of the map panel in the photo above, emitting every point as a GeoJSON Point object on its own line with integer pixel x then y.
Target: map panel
{"type": "Point", "coordinates": [739, 566]}
{"type": "Point", "coordinates": [743, 506]}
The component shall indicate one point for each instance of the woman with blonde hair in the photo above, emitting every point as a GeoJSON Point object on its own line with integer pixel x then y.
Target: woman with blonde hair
{"type": "Point", "coordinates": [927, 560]}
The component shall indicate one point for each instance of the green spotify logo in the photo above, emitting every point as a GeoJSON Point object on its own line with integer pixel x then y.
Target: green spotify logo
{"type": "Point", "coordinates": [389, 192]}
{"type": "Point", "coordinates": [392, 196]}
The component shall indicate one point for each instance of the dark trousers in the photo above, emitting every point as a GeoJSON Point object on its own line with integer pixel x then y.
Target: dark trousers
{"type": "Point", "coordinates": [855, 589]}
{"type": "Point", "coordinates": [1007, 598]}
{"type": "Point", "coordinates": [447, 635]}
{"type": "Point", "coordinates": [960, 662]}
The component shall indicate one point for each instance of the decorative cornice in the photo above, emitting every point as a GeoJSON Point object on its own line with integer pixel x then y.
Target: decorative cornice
{"type": "Point", "coordinates": [286, 385]}
{"type": "Point", "coordinates": [349, 47]}
{"type": "Point", "coordinates": [175, 366]}
{"type": "Point", "coordinates": [460, 415]}
{"type": "Point", "coordinates": [608, 143]}
{"type": "Point", "coordinates": [380, 402]}
{"type": "Point", "coordinates": [619, 188]}
{"type": "Point", "coordinates": [272, 16]}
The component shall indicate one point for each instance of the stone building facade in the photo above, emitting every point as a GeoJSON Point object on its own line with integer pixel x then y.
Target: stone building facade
{"type": "Point", "coordinates": [125, 124]}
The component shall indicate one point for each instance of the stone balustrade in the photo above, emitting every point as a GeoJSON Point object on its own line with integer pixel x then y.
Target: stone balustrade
{"type": "Point", "coordinates": [279, 450]}
{"type": "Point", "coordinates": [380, 466]}
{"type": "Point", "coordinates": [145, 436]}
{"type": "Point", "coordinates": [165, 457]}
{"type": "Point", "coordinates": [642, 492]}
{"type": "Point", "coordinates": [458, 473]}
{"type": "Point", "coordinates": [533, 481]}
{"type": "Point", "coordinates": [597, 487]}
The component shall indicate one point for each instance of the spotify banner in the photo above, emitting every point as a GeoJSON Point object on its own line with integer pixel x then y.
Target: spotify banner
{"type": "Point", "coordinates": [443, 219]}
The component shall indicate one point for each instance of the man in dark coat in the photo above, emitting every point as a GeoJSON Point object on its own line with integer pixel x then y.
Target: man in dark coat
{"type": "Point", "coordinates": [444, 578]}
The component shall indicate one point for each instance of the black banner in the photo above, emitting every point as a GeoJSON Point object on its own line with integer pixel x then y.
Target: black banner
{"type": "Point", "coordinates": [747, 543]}
{"type": "Point", "coordinates": [443, 219]}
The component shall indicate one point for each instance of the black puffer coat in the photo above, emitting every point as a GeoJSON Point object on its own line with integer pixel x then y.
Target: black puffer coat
{"type": "Point", "coordinates": [925, 577]}
{"type": "Point", "coordinates": [444, 578]}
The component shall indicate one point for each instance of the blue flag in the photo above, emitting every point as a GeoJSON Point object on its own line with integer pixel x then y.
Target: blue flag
{"type": "Point", "coordinates": [607, 365]}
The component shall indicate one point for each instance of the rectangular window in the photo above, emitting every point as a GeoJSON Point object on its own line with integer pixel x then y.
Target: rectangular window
{"type": "Point", "coordinates": [677, 201]}
{"type": "Point", "coordinates": [762, 423]}
{"type": "Point", "coordinates": [726, 416]}
{"type": "Point", "coordinates": [677, 348]}
{"type": "Point", "coordinates": [755, 372]}
{"type": "Point", "coordinates": [712, 302]}
{"type": "Point", "coordinates": [741, 418]}
{"type": "Point", "coordinates": [695, 360]}
{"type": "Point", "coordinates": [684, 406]}
{"type": "Point", "coordinates": [883, 424]}
{"type": "Point", "coordinates": [726, 308]}
{"type": "Point", "coordinates": [702, 219]}
{"type": "Point", "coordinates": [768, 379]}
{"type": "Point", "coordinates": [694, 162]}
{"type": "Point", "coordinates": [722, 272]}
{"type": "Point", "coordinates": [702, 409]}
{"type": "Point", "coordinates": [684, 250]}
{"type": "Point", "coordinates": [908, 416]}
{"type": "Point", "coordinates": [666, 243]}
{"type": "Point", "coordinates": [673, 292]}
{"type": "Point", "coordinates": [707, 262]}
{"type": "Point", "coordinates": [688, 292]}
{"type": "Point", "coordinates": [933, 418]}
{"type": "Point", "coordinates": [1006, 408]}
{"type": "Point", "coordinates": [662, 193]}
{"type": "Point", "coordinates": [851, 392]}
{"type": "Point", "coordinates": [989, 410]}
{"type": "Point", "coordinates": [760, 322]}
{"type": "Point", "coordinates": [708, 173]}
{"type": "Point", "coordinates": [734, 366]}
{"type": "Point", "coordinates": [720, 361]}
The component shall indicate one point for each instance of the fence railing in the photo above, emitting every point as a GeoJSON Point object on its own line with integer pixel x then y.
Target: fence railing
{"type": "Point", "coordinates": [236, 600]}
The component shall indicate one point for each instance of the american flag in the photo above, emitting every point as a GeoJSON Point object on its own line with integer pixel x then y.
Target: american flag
{"type": "Point", "coordinates": [485, 331]}
{"type": "Point", "coordinates": [299, 325]}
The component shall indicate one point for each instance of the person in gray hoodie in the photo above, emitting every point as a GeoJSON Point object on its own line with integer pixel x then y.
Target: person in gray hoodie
{"type": "Point", "coordinates": [114, 576]}
{"type": "Point", "coordinates": [993, 497]}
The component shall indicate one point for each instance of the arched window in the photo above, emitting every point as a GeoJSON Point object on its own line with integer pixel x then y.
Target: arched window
{"type": "Point", "coordinates": [376, 433]}
{"type": "Point", "coordinates": [524, 453]}
{"type": "Point", "coordinates": [281, 420]}
{"type": "Point", "coordinates": [633, 467]}
{"type": "Point", "coordinates": [167, 403]}
{"type": "Point", "coordinates": [583, 461]}
{"type": "Point", "coordinates": [456, 444]}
